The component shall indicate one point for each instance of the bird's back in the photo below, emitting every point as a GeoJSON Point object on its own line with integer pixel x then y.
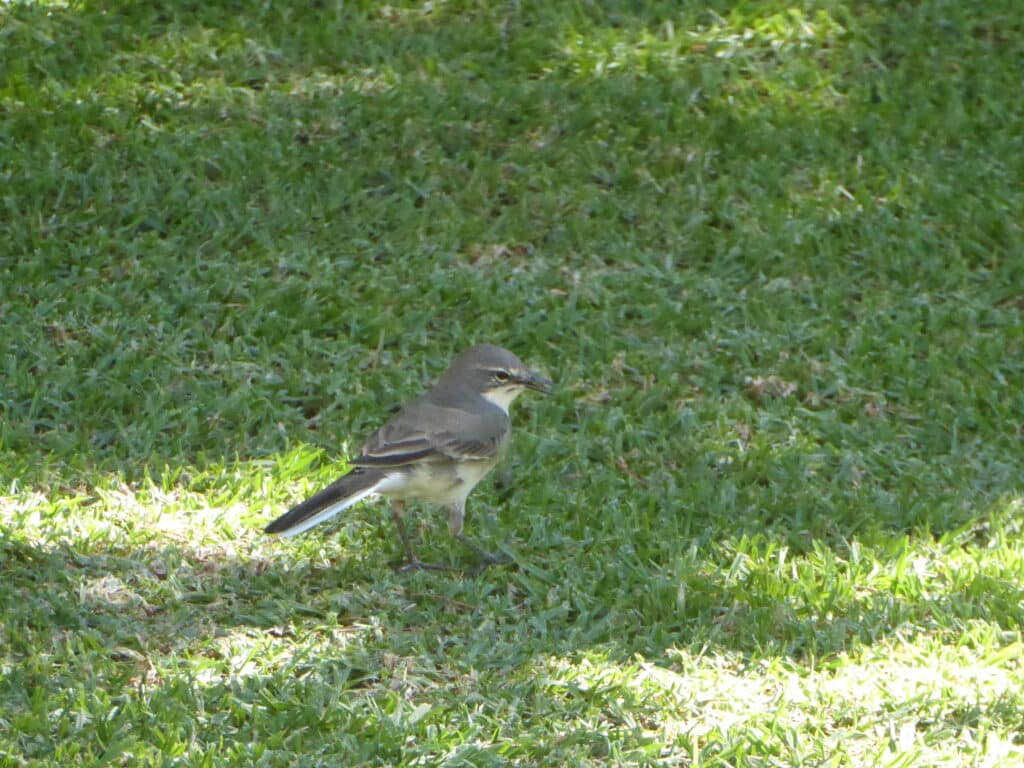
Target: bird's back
{"type": "Point", "coordinates": [474, 428]}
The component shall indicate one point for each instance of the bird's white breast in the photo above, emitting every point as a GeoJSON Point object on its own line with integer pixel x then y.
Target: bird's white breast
{"type": "Point", "coordinates": [436, 482]}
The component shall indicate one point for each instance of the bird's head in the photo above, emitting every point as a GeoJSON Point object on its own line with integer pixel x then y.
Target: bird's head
{"type": "Point", "coordinates": [497, 374]}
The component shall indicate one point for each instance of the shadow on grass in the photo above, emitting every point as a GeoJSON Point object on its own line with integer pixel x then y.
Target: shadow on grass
{"type": "Point", "coordinates": [288, 645]}
{"type": "Point", "coordinates": [562, 600]}
{"type": "Point", "coordinates": [235, 649]}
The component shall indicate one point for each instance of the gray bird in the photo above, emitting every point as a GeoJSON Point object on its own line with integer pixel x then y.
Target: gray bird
{"type": "Point", "coordinates": [435, 450]}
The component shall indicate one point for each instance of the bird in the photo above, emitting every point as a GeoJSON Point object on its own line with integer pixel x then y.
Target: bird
{"type": "Point", "coordinates": [434, 450]}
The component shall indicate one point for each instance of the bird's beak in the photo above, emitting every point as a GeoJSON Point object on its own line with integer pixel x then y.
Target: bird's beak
{"type": "Point", "coordinates": [537, 382]}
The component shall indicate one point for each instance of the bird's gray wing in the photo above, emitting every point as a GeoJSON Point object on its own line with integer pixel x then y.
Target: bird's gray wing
{"type": "Point", "coordinates": [482, 447]}
{"type": "Point", "coordinates": [394, 454]}
{"type": "Point", "coordinates": [426, 430]}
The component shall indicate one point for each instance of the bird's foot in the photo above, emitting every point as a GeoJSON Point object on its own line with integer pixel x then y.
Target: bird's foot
{"type": "Point", "coordinates": [409, 566]}
{"type": "Point", "coordinates": [491, 558]}
{"type": "Point", "coordinates": [487, 558]}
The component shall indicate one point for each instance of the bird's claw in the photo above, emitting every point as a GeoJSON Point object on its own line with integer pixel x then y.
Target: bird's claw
{"type": "Point", "coordinates": [410, 566]}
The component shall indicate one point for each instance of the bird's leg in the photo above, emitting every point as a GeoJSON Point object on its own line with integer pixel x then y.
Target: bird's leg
{"type": "Point", "coordinates": [397, 507]}
{"type": "Point", "coordinates": [456, 518]}
{"type": "Point", "coordinates": [413, 563]}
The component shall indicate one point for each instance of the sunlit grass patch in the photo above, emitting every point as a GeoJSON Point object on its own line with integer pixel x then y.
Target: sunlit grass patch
{"type": "Point", "coordinates": [676, 43]}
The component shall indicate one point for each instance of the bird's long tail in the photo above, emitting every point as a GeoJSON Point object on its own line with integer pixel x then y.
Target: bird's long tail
{"type": "Point", "coordinates": [336, 497]}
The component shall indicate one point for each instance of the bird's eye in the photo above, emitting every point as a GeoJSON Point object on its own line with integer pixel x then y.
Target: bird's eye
{"type": "Point", "coordinates": [502, 376]}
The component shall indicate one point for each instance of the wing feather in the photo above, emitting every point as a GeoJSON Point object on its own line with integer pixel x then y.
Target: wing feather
{"type": "Point", "coordinates": [453, 434]}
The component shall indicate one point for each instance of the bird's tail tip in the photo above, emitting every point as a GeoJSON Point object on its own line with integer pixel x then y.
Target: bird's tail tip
{"type": "Point", "coordinates": [338, 496]}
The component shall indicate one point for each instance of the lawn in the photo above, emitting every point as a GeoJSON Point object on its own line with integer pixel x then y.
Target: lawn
{"type": "Point", "coordinates": [772, 254]}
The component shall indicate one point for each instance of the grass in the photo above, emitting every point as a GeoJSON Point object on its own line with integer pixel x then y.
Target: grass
{"type": "Point", "coordinates": [772, 254]}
